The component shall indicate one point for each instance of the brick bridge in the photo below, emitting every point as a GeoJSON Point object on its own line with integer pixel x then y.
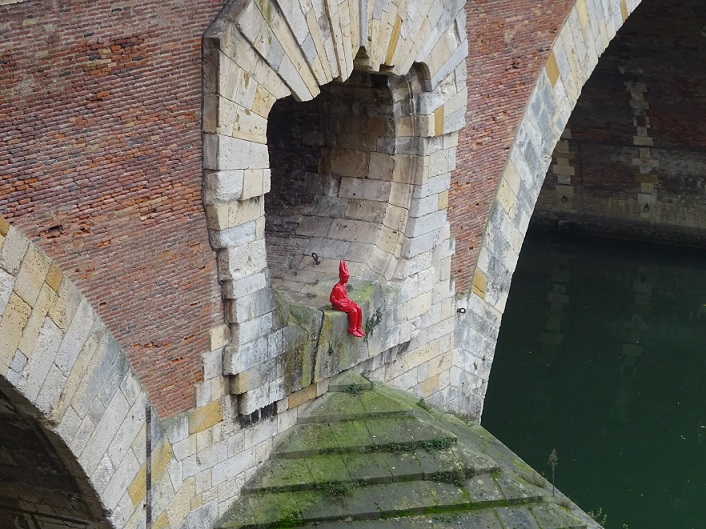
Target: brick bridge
{"type": "Point", "coordinates": [181, 178]}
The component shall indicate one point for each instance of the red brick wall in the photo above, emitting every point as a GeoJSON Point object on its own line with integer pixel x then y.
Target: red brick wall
{"type": "Point", "coordinates": [509, 42]}
{"type": "Point", "coordinates": [100, 164]}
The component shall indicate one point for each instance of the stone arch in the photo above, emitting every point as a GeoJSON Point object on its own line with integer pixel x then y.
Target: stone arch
{"type": "Point", "coordinates": [585, 34]}
{"type": "Point", "coordinates": [259, 52]}
{"type": "Point", "coordinates": [66, 384]}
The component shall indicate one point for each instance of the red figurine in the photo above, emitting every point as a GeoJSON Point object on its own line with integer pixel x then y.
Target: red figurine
{"type": "Point", "coordinates": [340, 301]}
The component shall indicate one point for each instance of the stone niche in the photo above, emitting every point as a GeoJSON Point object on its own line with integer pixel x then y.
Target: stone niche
{"type": "Point", "coordinates": [332, 163]}
{"type": "Point", "coordinates": [328, 135]}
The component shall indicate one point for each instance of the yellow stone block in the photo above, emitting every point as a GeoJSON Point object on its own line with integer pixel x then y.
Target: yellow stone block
{"type": "Point", "coordinates": [582, 11]}
{"type": "Point", "coordinates": [137, 489]}
{"type": "Point", "coordinates": [552, 69]}
{"type": "Point", "coordinates": [393, 41]}
{"type": "Point", "coordinates": [439, 121]}
{"type": "Point", "coordinates": [4, 226]}
{"type": "Point", "coordinates": [161, 456]}
{"type": "Point", "coordinates": [13, 322]}
{"type": "Point", "coordinates": [300, 397]}
{"type": "Point", "coordinates": [205, 417]}
{"type": "Point", "coordinates": [443, 200]}
{"type": "Point", "coordinates": [161, 522]}
{"type": "Point", "coordinates": [54, 277]}
{"type": "Point", "coordinates": [479, 283]}
{"type": "Point", "coordinates": [624, 10]}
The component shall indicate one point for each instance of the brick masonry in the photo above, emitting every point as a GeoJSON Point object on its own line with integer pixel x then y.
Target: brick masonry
{"type": "Point", "coordinates": [101, 160]}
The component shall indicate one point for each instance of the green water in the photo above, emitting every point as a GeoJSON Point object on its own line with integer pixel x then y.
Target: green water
{"type": "Point", "coordinates": [602, 356]}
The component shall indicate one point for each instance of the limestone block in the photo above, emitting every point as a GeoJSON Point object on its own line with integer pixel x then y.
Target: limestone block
{"type": "Point", "coordinates": [114, 492]}
{"type": "Point", "coordinates": [222, 186]}
{"type": "Point", "coordinates": [330, 250]}
{"type": "Point", "coordinates": [253, 183]}
{"type": "Point", "coordinates": [369, 210]}
{"type": "Point", "coordinates": [33, 270]}
{"type": "Point", "coordinates": [217, 216]}
{"type": "Point", "coordinates": [261, 397]}
{"type": "Point", "coordinates": [245, 286]}
{"type": "Point", "coordinates": [238, 262]}
{"type": "Point", "coordinates": [354, 231]}
{"type": "Point", "coordinates": [218, 336]}
{"type": "Point", "coordinates": [411, 169]}
{"type": "Point", "coordinates": [263, 101]}
{"type": "Point", "coordinates": [381, 166]}
{"type": "Point", "coordinates": [428, 223]}
{"type": "Point", "coordinates": [400, 195]}
{"type": "Point", "coordinates": [251, 330]}
{"type": "Point", "coordinates": [245, 124]}
{"type": "Point", "coordinates": [250, 306]}
{"type": "Point", "coordinates": [205, 417]}
{"type": "Point", "coordinates": [239, 358]}
{"type": "Point", "coordinates": [104, 432]}
{"type": "Point", "coordinates": [224, 153]}
{"type": "Point", "coordinates": [230, 77]}
{"type": "Point", "coordinates": [13, 250]}
{"type": "Point", "coordinates": [395, 218]}
{"type": "Point", "coordinates": [16, 314]}
{"type": "Point", "coordinates": [256, 376]}
{"type": "Point", "coordinates": [346, 162]}
{"type": "Point", "coordinates": [424, 206]}
{"type": "Point", "coordinates": [7, 282]}
{"type": "Point", "coordinates": [314, 226]}
{"type": "Point", "coordinates": [433, 186]}
{"type": "Point", "coordinates": [455, 59]}
{"type": "Point", "coordinates": [412, 247]}
{"type": "Point", "coordinates": [75, 337]}
{"type": "Point", "coordinates": [244, 211]}
{"type": "Point", "coordinates": [238, 235]}
{"type": "Point", "coordinates": [270, 80]}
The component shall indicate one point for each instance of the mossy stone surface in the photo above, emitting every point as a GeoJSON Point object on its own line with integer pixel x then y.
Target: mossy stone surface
{"type": "Point", "coordinates": [380, 461]}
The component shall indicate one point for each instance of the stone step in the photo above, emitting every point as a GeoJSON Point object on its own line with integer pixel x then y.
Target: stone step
{"type": "Point", "coordinates": [373, 502]}
{"type": "Point", "coordinates": [391, 434]}
{"type": "Point", "coordinates": [454, 464]}
{"type": "Point", "coordinates": [353, 405]}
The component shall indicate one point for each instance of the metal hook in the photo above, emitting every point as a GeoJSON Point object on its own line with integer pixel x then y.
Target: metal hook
{"type": "Point", "coordinates": [315, 258]}
{"type": "Point", "coordinates": [461, 310]}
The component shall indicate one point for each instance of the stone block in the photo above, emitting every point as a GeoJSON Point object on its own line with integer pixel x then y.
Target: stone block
{"type": "Point", "coordinates": [367, 210]}
{"type": "Point", "coordinates": [205, 417]}
{"type": "Point", "coordinates": [417, 245]}
{"type": "Point", "coordinates": [13, 321]}
{"type": "Point", "coordinates": [239, 358]}
{"type": "Point", "coordinates": [420, 226]}
{"type": "Point", "coordinates": [250, 306]}
{"type": "Point", "coordinates": [354, 230]}
{"type": "Point", "coordinates": [314, 226]}
{"type": "Point", "coordinates": [13, 250]}
{"type": "Point", "coordinates": [30, 278]}
{"type": "Point", "coordinates": [239, 262]}
{"type": "Point", "coordinates": [222, 186]}
{"type": "Point", "coordinates": [245, 286]}
{"type": "Point", "coordinates": [358, 188]}
{"type": "Point", "coordinates": [75, 337]}
{"type": "Point", "coordinates": [238, 235]}
{"type": "Point", "coordinates": [223, 153]}
{"type": "Point", "coordinates": [7, 283]}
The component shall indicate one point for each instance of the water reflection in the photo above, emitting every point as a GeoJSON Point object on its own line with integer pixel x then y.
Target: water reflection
{"type": "Point", "coordinates": [602, 356]}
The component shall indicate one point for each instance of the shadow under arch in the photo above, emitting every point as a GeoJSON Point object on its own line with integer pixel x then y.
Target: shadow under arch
{"type": "Point", "coordinates": [584, 36]}
{"type": "Point", "coordinates": [72, 411]}
{"type": "Point", "coordinates": [41, 484]}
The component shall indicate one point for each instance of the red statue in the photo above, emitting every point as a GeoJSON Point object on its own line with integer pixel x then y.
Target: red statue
{"type": "Point", "coordinates": [340, 301]}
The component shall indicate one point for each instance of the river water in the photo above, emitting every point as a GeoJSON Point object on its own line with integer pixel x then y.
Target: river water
{"type": "Point", "coordinates": [602, 357]}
